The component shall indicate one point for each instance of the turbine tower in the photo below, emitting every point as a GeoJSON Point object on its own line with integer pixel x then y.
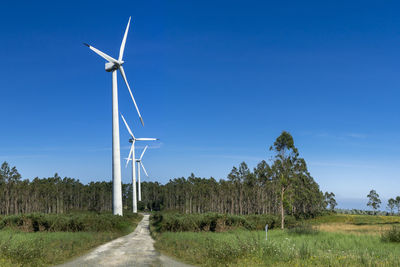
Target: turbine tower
{"type": "Point", "coordinates": [132, 156]}
{"type": "Point", "coordinates": [139, 163]}
{"type": "Point", "coordinates": [113, 65]}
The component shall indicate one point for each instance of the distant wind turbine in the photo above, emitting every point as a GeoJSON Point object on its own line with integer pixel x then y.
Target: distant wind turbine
{"type": "Point", "coordinates": [139, 163]}
{"type": "Point", "coordinates": [112, 65]}
{"type": "Point", "coordinates": [132, 156]}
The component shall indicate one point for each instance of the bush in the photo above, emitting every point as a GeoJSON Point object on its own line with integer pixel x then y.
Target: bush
{"type": "Point", "coordinates": [259, 221]}
{"type": "Point", "coordinates": [76, 222]}
{"type": "Point", "coordinates": [214, 222]}
{"type": "Point", "coordinates": [392, 235]}
{"type": "Point", "coordinates": [303, 229]}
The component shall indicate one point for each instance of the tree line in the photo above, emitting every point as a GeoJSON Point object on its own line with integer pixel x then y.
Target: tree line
{"type": "Point", "coordinates": [375, 202]}
{"type": "Point", "coordinates": [284, 187]}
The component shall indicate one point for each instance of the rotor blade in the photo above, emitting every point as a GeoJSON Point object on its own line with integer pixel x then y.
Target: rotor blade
{"type": "Point", "coordinates": [144, 150]}
{"type": "Point", "coordinates": [146, 139]}
{"type": "Point", "coordinates": [129, 156]}
{"type": "Point", "coordinates": [144, 169]}
{"type": "Point", "coordinates": [103, 55]}
{"type": "Point", "coordinates": [121, 50]}
{"type": "Point", "coordinates": [130, 92]}
{"type": "Point", "coordinates": [127, 127]}
{"type": "Point", "coordinates": [127, 161]}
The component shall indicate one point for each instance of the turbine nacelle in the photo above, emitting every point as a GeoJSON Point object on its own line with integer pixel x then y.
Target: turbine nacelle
{"type": "Point", "coordinates": [110, 66]}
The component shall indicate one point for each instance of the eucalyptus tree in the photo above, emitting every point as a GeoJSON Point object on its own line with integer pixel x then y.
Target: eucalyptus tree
{"type": "Point", "coordinates": [373, 200]}
{"type": "Point", "coordinates": [9, 178]}
{"type": "Point", "coordinates": [391, 205]}
{"type": "Point", "coordinates": [330, 200]}
{"type": "Point", "coordinates": [285, 167]}
{"type": "Point", "coordinates": [398, 204]}
{"type": "Point", "coordinates": [263, 175]}
{"type": "Point", "coordinates": [243, 192]}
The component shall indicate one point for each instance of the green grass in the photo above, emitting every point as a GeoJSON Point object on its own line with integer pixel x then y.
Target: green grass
{"type": "Point", "coordinates": [249, 248]}
{"type": "Point", "coordinates": [20, 246]}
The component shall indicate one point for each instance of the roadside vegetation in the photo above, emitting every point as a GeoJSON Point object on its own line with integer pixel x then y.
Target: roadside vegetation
{"type": "Point", "coordinates": [48, 239]}
{"type": "Point", "coordinates": [214, 222]}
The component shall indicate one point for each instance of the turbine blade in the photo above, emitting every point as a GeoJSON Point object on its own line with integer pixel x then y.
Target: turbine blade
{"type": "Point", "coordinates": [144, 150]}
{"type": "Point", "coordinates": [130, 92]}
{"type": "Point", "coordinates": [146, 139]}
{"type": "Point", "coordinates": [127, 162]}
{"type": "Point", "coordinates": [129, 156]}
{"type": "Point", "coordinates": [122, 48]}
{"type": "Point", "coordinates": [103, 55]}
{"type": "Point", "coordinates": [144, 169]}
{"type": "Point", "coordinates": [127, 127]}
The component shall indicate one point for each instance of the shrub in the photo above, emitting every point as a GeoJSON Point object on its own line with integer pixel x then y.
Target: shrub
{"type": "Point", "coordinates": [392, 235]}
{"type": "Point", "coordinates": [303, 229]}
{"type": "Point", "coordinates": [214, 222]}
{"type": "Point", "coordinates": [88, 222]}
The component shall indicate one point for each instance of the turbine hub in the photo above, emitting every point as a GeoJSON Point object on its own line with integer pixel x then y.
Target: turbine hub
{"type": "Point", "coordinates": [110, 66]}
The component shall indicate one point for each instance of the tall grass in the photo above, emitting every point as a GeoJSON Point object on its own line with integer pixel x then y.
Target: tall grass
{"type": "Point", "coordinates": [249, 248]}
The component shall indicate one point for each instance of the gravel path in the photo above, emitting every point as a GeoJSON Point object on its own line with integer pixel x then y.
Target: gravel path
{"type": "Point", "coordinates": [135, 249]}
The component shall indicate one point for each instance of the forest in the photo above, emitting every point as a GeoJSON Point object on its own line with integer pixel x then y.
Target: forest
{"type": "Point", "coordinates": [284, 187]}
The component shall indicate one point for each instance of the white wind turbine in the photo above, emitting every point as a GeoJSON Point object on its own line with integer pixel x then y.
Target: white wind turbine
{"type": "Point", "coordinates": [139, 163]}
{"type": "Point", "coordinates": [112, 65]}
{"type": "Point", "coordinates": [132, 156]}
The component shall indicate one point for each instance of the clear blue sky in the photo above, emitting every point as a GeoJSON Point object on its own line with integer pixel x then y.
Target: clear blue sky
{"type": "Point", "coordinates": [216, 81]}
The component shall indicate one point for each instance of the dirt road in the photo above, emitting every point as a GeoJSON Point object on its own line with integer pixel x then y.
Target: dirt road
{"type": "Point", "coordinates": [135, 249]}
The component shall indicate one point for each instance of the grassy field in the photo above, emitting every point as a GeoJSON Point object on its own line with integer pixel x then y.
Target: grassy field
{"type": "Point", "coordinates": [21, 245]}
{"type": "Point", "coordinates": [328, 244]}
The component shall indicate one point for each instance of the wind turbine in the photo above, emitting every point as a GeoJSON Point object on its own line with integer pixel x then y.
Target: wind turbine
{"type": "Point", "coordinates": [132, 156]}
{"type": "Point", "coordinates": [112, 65]}
{"type": "Point", "coordinates": [139, 163]}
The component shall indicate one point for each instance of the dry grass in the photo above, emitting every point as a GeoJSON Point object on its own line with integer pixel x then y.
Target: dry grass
{"type": "Point", "coordinates": [356, 219]}
{"type": "Point", "coordinates": [353, 229]}
{"type": "Point", "coordinates": [355, 224]}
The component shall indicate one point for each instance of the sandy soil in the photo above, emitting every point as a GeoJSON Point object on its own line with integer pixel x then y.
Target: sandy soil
{"type": "Point", "coordinates": [135, 249]}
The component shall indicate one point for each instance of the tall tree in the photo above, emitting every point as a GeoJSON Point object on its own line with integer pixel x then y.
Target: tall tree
{"type": "Point", "coordinates": [330, 200]}
{"type": "Point", "coordinates": [285, 166]}
{"type": "Point", "coordinates": [397, 203]}
{"type": "Point", "coordinates": [391, 204]}
{"type": "Point", "coordinates": [373, 200]}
